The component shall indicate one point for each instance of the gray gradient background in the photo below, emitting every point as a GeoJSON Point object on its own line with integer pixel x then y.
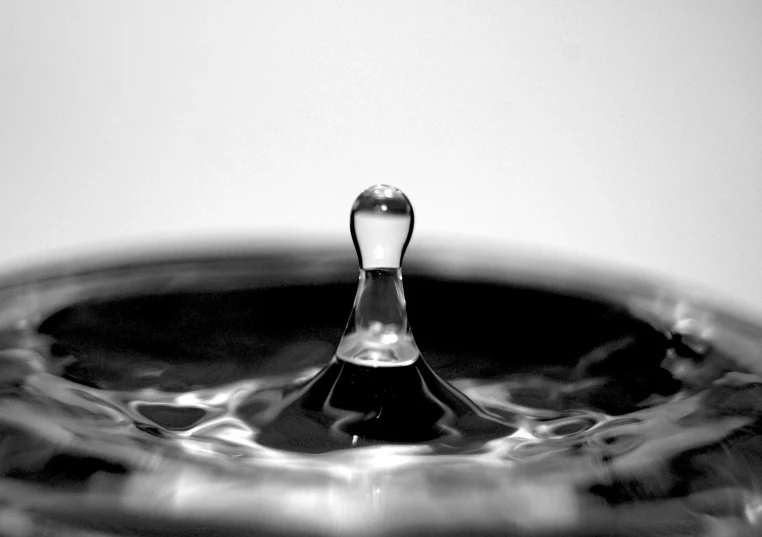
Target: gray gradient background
{"type": "Point", "coordinates": [624, 134]}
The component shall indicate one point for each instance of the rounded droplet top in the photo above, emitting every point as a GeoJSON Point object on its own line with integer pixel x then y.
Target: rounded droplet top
{"type": "Point", "coordinates": [382, 224]}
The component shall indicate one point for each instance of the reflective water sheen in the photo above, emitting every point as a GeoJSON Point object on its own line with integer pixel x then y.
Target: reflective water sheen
{"type": "Point", "coordinates": [211, 396]}
{"type": "Point", "coordinates": [134, 398]}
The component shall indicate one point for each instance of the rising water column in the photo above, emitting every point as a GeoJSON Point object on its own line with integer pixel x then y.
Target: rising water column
{"type": "Point", "coordinates": [378, 389]}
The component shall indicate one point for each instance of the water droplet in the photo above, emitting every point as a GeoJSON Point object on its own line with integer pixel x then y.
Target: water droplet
{"type": "Point", "coordinates": [378, 388]}
{"type": "Point", "coordinates": [377, 334]}
{"type": "Point", "coordinates": [381, 223]}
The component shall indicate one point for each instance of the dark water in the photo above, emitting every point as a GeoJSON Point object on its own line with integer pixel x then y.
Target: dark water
{"type": "Point", "coordinates": [159, 409]}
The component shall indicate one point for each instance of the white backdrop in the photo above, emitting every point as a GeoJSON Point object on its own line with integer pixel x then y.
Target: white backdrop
{"type": "Point", "coordinates": [624, 133]}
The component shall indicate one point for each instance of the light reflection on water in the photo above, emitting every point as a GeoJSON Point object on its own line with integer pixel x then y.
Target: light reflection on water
{"type": "Point", "coordinates": [191, 454]}
{"type": "Point", "coordinates": [76, 457]}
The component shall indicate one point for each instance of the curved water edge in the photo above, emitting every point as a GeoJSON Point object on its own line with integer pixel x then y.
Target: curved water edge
{"type": "Point", "coordinates": [121, 410]}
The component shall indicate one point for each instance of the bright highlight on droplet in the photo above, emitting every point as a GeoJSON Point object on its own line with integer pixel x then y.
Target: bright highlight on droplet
{"type": "Point", "coordinates": [390, 338]}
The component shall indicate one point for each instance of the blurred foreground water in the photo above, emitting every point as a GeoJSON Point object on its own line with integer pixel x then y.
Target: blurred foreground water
{"type": "Point", "coordinates": [134, 394]}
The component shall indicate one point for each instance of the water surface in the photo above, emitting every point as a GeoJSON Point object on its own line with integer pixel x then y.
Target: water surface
{"type": "Point", "coordinates": [140, 409]}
